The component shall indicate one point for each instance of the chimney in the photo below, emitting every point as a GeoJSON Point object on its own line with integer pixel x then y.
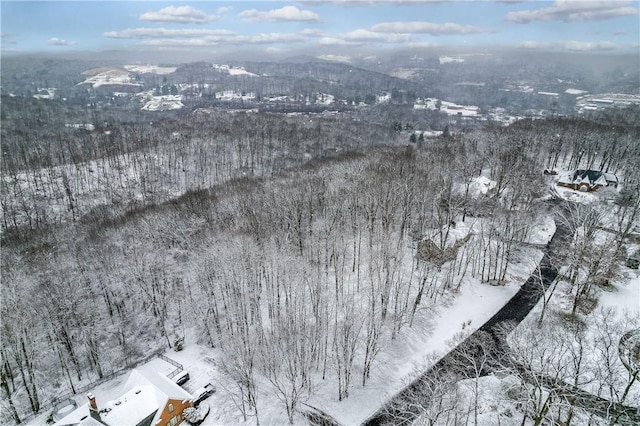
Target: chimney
{"type": "Point", "coordinates": [93, 407]}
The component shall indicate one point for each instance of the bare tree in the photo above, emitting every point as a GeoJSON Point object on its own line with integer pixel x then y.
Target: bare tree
{"type": "Point", "coordinates": [431, 399]}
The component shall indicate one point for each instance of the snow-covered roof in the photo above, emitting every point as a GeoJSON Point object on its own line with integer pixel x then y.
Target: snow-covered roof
{"type": "Point", "coordinates": [133, 406]}
{"type": "Point", "coordinates": [144, 393]}
{"type": "Point", "coordinates": [90, 421]}
{"type": "Point", "coordinates": [591, 177]}
{"type": "Point", "coordinates": [78, 416]}
{"type": "Point", "coordinates": [162, 384]}
{"type": "Point", "coordinates": [601, 181]}
{"type": "Point", "coordinates": [566, 177]}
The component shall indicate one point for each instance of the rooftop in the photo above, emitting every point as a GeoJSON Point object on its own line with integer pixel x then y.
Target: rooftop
{"type": "Point", "coordinates": [144, 393]}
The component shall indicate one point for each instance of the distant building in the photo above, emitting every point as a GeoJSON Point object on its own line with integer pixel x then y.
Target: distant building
{"type": "Point", "coordinates": [588, 180]}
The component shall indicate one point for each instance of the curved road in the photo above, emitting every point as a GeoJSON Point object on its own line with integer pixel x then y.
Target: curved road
{"type": "Point", "coordinates": [477, 345]}
{"type": "Point", "coordinates": [490, 338]}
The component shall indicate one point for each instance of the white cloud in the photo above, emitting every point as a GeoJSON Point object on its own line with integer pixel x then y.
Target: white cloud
{"type": "Point", "coordinates": [422, 27]}
{"type": "Point", "coordinates": [423, 45]}
{"type": "Point", "coordinates": [571, 10]}
{"type": "Point", "coordinates": [368, 3]}
{"type": "Point", "coordinates": [180, 14]}
{"type": "Point", "coordinates": [361, 35]}
{"type": "Point", "coordinates": [176, 37]}
{"type": "Point", "coordinates": [579, 46]}
{"type": "Point", "coordinates": [335, 58]}
{"type": "Point", "coordinates": [55, 41]}
{"type": "Point", "coordinates": [181, 42]}
{"type": "Point", "coordinates": [272, 38]}
{"type": "Point", "coordinates": [334, 41]}
{"type": "Point", "coordinates": [287, 13]}
{"type": "Point", "coordinates": [170, 33]}
{"type": "Point", "coordinates": [312, 32]}
{"type": "Point", "coordinates": [224, 9]}
{"type": "Point", "coordinates": [233, 39]}
{"type": "Point", "coordinates": [273, 50]}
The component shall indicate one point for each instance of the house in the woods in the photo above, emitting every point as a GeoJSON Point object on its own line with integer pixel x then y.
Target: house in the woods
{"type": "Point", "coordinates": [588, 180]}
{"type": "Point", "coordinates": [148, 399]}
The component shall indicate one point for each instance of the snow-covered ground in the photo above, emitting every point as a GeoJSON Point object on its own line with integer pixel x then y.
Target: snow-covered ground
{"type": "Point", "coordinates": [404, 73]}
{"type": "Point", "coordinates": [481, 185]}
{"type": "Point", "coordinates": [241, 71]}
{"type": "Point", "coordinates": [234, 70]}
{"type": "Point", "coordinates": [335, 58]}
{"type": "Point", "coordinates": [325, 99]}
{"type": "Point", "coordinates": [429, 133]}
{"type": "Point", "coordinates": [575, 91]}
{"type": "Point", "coordinates": [498, 405]}
{"type": "Point", "coordinates": [45, 93]}
{"type": "Point", "coordinates": [112, 76]}
{"type": "Point", "coordinates": [163, 103]}
{"type": "Point", "coordinates": [449, 108]}
{"type": "Point", "coordinates": [419, 347]}
{"type": "Point", "coordinates": [383, 98]}
{"type": "Point", "coordinates": [122, 76]}
{"type": "Point", "coordinates": [450, 59]}
{"type": "Point", "coordinates": [82, 126]}
{"type": "Point", "coordinates": [576, 196]}
{"type": "Point", "coordinates": [150, 69]}
{"type": "Point", "coordinates": [617, 311]}
{"type": "Point", "coordinates": [233, 95]}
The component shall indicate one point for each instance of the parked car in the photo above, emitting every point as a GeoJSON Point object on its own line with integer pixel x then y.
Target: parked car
{"type": "Point", "coordinates": [182, 377]}
{"type": "Point", "coordinates": [203, 393]}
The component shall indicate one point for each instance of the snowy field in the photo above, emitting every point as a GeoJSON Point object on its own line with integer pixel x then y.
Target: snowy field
{"type": "Point", "coordinates": [111, 76]}
{"type": "Point", "coordinates": [150, 69]}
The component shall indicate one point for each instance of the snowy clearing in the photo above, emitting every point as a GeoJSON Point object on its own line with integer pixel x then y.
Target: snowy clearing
{"type": "Point", "coordinates": [575, 92]}
{"type": "Point", "coordinates": [150, 69]}
{"type": "Point", "coordinates": [114, 76]}
{"type": "Point", "coordinates": [234, 71]}
{"type": "Point", "coordinates": [163, 103]}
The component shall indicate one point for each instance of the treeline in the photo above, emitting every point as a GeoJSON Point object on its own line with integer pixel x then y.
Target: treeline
{"type": "Point", "coordinates": [294, 78]}
{"type": "Point", "coordinates": [23, 75]}
{"type": "Point", "coordinates": [52, 178]}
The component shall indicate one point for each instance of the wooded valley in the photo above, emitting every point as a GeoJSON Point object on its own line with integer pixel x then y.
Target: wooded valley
{"type": "Point", "coordinates": [293, 244]}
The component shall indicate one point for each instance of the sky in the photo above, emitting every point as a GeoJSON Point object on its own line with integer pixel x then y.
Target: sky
{"type": "Point", "coordinates": [274, 27]}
